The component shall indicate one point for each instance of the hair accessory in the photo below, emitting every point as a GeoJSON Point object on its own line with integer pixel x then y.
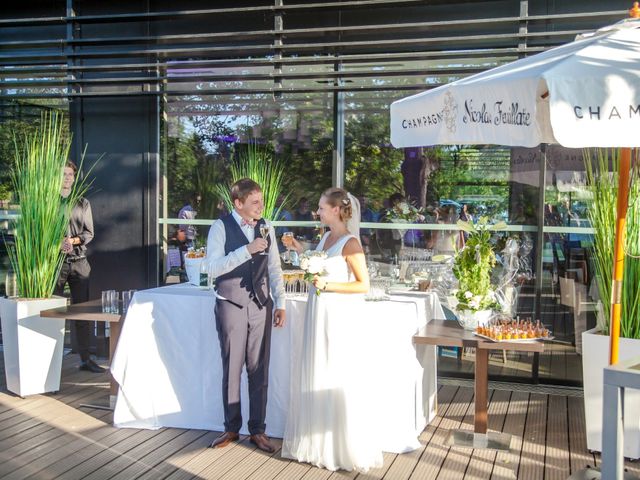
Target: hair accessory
{"type": "Point", "coordinates": [346, 201]}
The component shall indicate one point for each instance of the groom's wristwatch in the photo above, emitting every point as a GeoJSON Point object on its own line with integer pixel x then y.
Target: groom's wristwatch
{"type": "Point", "coordinates": [325, 286]}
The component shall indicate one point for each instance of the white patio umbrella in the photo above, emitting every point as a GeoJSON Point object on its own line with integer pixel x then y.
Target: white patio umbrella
{"type": "Point", "coordinates": [582, 94]}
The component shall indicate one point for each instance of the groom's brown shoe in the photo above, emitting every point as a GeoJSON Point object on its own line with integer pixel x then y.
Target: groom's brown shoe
{"type": "Point", "coordinates": [261, 441]}
{"type": "Point", "coordinates": [225, 439]}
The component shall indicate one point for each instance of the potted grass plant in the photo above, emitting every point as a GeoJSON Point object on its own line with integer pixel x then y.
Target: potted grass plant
{"type": "Point", "coordinates": [602, 182]}
{"type": "Point", "coordinates": [260, 166]}
{"type": "Point", "coordinates": [33, 345]}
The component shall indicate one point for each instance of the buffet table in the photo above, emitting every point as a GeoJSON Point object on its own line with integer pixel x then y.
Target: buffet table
{"type": "Point", "coordinates": [167, 363]}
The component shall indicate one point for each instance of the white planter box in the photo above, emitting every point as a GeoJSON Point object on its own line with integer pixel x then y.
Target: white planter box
{"type": "Point", "coordinates": [595, 357]}
{"type": "Point", "coordinates": [32, 345]}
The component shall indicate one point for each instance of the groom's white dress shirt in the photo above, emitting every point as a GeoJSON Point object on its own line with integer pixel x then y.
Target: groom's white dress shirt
{"type": "Point", "coordinates": [218, 263]}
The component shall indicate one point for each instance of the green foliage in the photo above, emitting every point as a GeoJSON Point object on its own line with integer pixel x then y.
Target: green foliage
{"type": "Point", "coordinates": [259, 165]}
{"type": "Point", "coordinates": [602, 214]}
{"type": "Point", "coordinates": [39, 158]}
{"type": "Point", "coordinates": [630, 319]}
{"type": "Point", "coordinates": [603, 185]}
{"type": "Point", "coordinates": [473, 266]}
{"type": "Point", "coordinates": [372, 166]}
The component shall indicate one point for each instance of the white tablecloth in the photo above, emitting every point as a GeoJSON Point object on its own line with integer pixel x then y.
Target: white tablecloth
{"type": "Point", "coordinates": [168, 365]}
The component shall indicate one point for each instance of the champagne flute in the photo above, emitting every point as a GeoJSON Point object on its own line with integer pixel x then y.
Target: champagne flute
{"type": "Point", "coordinates": [264, 231]}
{"type": "Point", "coordinates": [287, 241]}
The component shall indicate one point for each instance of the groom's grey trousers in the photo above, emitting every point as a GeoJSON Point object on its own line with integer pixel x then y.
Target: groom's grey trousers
{"type": "Point", "coordinates": [245, 337]}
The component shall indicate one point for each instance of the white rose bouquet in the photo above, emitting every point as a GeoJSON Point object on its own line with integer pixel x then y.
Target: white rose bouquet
{"type": "Point", "coordinates": [312, 262]}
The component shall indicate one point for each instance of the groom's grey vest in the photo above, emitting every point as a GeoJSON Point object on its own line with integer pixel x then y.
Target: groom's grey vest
{"type": "Point", "coordinates": [249, 281]}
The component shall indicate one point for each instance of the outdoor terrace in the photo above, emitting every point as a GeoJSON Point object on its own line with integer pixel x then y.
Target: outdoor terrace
{"type": "Point", "coordinates": [51, 436]}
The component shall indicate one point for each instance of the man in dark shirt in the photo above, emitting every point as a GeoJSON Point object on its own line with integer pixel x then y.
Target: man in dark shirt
{"type": "Point", "coordinates": [75, 268]}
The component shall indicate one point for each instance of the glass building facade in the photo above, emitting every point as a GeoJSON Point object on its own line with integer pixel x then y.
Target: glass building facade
{"type": "Point", "coordinates": [164, 97]}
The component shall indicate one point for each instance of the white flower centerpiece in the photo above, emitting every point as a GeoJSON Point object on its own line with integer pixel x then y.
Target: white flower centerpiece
{"type": "Point", "coordinates": [312, 262]}
{"type": "Point", "coordinates": [476, 297]}
{"type": "Point", "coordinates": [403, 212]}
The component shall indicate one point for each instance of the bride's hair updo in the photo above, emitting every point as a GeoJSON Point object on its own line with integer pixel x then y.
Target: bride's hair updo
{"type": "Point", "coordinates": [337, 197]}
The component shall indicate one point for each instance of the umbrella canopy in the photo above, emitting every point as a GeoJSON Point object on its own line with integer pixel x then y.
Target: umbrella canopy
{"type": "Point", "coordinates": [582, 94]}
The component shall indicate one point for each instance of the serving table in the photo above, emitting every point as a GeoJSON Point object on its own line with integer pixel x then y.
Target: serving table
{"type": "Point", "coordinates": [448, 333]}
{"type": "Point", "coordinates": [91, 311]}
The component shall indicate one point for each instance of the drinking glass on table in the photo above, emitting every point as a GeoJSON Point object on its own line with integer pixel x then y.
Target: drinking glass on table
{"type": "Point", "coordinates": [264, 231]}
{"type": "Point", "coordinates": [287, 241]}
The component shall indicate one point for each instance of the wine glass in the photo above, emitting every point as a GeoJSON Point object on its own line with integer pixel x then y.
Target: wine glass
{"type": "Point", "coordinates": [264, 231]}
{"type": "Point", "coordinates": [287, 241]}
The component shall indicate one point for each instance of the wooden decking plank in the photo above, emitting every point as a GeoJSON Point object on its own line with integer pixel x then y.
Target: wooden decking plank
{"type": "Point", "coordinates": [381, 472]}
{"type": "Point", "coordinates": [533, 446]}
{"type": "Point", "coordinates": [556, 462]}
{"type": "Point", "coordinates": [457, 459]}
{"type": "Point", "coordinates": [58, 447]}
{"type": "Point", "coordinates": [252, 463]}
{"type": "Point", "coordinates": [403, 465]}
{"type": "Point", "coordinates": [506, 462]}
{"type": "Point", "coordinates": [160, 453]}
{"type": "Point", "coordinates": [315, 473]}
{"type": "Point", "coordinates": [218, 466]}
{"type": "Point", "coordinates": [134, 455]}
{"type": "Point", "coordinates": [31, 445]}
{"type": "Point", "coordinates": [579, 456]}
{"type": "Point", "coordinates": [59, 460]}
{"type": "Point", "coordinates": [270, 469]}
{"type": "Point", "coordinates": [482, 460]}
{"type": "Point", "coordinates": [207, 456]}
{"type": "Point", "coordinates": [430, 463]}
{"type": "Point", "coordinates": [180, 457]}
{"type": "Point", "coordinates": [11, 430]}
{"type": "Point", "coordinates": [114, 446]}
{"type": "Point", "coordinates": [293, 471]}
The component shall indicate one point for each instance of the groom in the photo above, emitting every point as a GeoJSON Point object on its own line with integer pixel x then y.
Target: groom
{"type": "Point", "coordinates": [244, 308]}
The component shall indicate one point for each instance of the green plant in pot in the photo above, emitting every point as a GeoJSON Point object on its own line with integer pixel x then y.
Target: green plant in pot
{"type": "Point", "coordinates": [475, 298]}
{"type": "Point", "coordinates": [32, 345]}
{"type": "Point", "coordinates": [602, 167]}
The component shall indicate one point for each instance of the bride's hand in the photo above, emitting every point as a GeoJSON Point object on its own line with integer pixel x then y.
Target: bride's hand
{"type": "Point", "coordinates": [319, 282]}
{"type": "Point", "coordinates": [290, 242]}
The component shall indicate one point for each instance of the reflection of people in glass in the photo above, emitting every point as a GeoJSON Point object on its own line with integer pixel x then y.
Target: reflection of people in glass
{"type": "Point", "coordinates": [447, 241]}
{"type": "Point", "coordinates": [303, 214]}
{"type": "Point", "coordinates": [367, 215]}
{"type": "Point", "coordinates": [187, 212]}
{"type": "Point", "coordinates": [390, 240]}
{"type": "Point", "coordinates": [465, 216]}
{"type": "Point", "coordinates": [76, 269]}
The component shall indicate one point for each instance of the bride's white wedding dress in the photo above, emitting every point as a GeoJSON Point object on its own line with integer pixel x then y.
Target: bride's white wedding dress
{"type": "Point", "coordinates": [331, 421]}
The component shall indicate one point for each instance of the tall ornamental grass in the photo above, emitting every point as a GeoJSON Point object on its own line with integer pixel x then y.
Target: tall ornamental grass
{"type": "Point", "coordinates": [39, 160]}
{"type": "Point", "coordinates": [603, 184]}
{"type": "Point", "coordinates": [602, 214]}
{"type": "Point", "coordinates": [260, 166]}
{"type": "Point", "coordinates": [630, 318]}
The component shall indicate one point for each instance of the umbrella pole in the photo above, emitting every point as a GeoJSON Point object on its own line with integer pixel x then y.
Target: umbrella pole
{"type": "Point", "coordinates": [618, 259]}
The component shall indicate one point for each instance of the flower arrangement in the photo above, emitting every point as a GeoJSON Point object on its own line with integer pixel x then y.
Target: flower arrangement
{"type": "Point", "coordinates": [406, 212]}
{"type": "Point", "coordinates": [312, 262]}
{"type": "Point", "coordinates": [473, 265]}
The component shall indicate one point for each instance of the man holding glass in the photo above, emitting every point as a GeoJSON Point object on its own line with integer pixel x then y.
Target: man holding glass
{"type": "Point", "coordinates": [76, 269]}
{"type": "Point", "coordinates": [243, 257]}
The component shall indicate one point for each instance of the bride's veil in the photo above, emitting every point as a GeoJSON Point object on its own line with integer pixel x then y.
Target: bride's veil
{"type": "Point", "coordinates": [353, 224]}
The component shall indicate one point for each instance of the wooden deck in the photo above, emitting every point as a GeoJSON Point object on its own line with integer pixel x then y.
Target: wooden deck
{"type": "Point", "coordinates": [52, 437]}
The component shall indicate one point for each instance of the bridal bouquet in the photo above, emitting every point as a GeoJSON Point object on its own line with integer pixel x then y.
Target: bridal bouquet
{"type": "Point", "coordinates": [312, 262]}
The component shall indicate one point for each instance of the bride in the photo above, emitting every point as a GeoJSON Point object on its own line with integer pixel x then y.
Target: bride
{"type": "Point", "coordinates": [331, 417]}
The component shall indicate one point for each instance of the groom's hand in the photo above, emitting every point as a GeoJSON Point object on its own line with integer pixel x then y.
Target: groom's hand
{"type": "Point", "coordinates": [258, 245]}
{"type": "Point", "coordinates": [278, 317]}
